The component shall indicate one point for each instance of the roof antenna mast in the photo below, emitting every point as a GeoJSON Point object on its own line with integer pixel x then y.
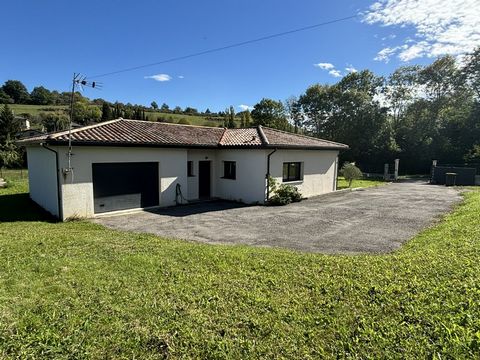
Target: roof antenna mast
{"type": "Point", "coordinates": [80, 81]}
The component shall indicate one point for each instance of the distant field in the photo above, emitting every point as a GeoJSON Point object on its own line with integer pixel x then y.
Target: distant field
{"type": "Point", "coordinates": [152, 115]}
{"type": "Point", "coordinates": [35, 109]}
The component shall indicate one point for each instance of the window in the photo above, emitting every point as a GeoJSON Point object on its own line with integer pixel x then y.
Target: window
{"type": "Point", "coordinates": [292, 171]}
{"type": "Point", "coordinates": [190, 168]}
{"type": "Point", "coordinates": [229, 170]}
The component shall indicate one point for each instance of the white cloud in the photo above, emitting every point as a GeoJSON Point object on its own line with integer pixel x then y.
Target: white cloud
{"type": "Point", "coordinates": [159, 77]}
{"type": "Point", "coordinates": [389, 37]}
{"type": "Point", "coordinates": [442, 26]}
{"type": "Point", "coordinates": [245, 107]}
{"type": "Point", "coordinates": [330, 68]}
{"type": "Point", "coordinates": [350, 69]}
{"type": "Point", "coordinates": [324, 66]}
{"type": "Point", "coordinates": [335, 73]}
{"type": "Point", "coordinates": [181, 77]}
{"type": "Point", "coordinates": [386, 53]}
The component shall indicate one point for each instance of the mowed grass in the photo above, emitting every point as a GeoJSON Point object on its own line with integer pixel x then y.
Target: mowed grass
{"type": "Point", "coordinates": [361, 183]}
{"type": "Point", "coordinates": [78, 290]}
{"type": "Point", "coordinates": [152, 115]}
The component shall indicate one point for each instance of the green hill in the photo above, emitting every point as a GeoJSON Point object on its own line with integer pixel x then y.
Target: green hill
{"type": "Point", "coordinates": [152, 115]}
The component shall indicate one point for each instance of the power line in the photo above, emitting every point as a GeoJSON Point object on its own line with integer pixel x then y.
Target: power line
{"type": "Point", "coordinates": [209, 51]}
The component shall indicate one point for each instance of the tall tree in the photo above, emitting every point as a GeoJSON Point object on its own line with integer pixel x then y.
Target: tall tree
{"type": "Point", "coordinates": [154, 105]}
{"type": "Point", "coordinates": [9, 126]}
{"type": "Point", "coordinates": [401, 89]}
{"type": "Point", "coordinates": [470, 72]}
{"type": "Point", "coordinates": [246, 118]}
{"type": "Point", "coordinates": [270, 113]}
{"type": "Point", "coordinates": [106, 111]}
{"type": "Point", "coordinates": [229, 121]}
{"type": "Point", "coordinates": [317, 106]}
{"type": "Point", "coordinates": [440, 79]}
{"type": "Point", "coordinates": [4, 98]}
{"type": "Point", "coordinates": [165, 108]}
{"type": "Point", "coordinates": [294, 110]}
{"type": "Point", "coordinates": [41, 96]}
{"type": "Point", "coordinates": [17, 91]}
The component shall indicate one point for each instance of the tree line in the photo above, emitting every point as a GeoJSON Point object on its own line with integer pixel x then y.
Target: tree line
{"type": "Point", "coordinates": [416, 114]}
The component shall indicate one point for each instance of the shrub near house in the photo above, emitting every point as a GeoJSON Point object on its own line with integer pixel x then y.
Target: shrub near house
{"type": "Point", "coordinates": [283, 194]}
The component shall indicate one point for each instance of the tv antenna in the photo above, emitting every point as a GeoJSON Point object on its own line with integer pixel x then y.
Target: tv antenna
{"type": "Point", "coordinates": [79, 81]}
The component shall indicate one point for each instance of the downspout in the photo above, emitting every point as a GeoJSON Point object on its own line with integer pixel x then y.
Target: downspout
{"type": "Point", "coordinates": [335, 180]}
{"type": "Point", "coordinates": [59, 193]}
{"type": "Point", "coordinates": [268, 173]}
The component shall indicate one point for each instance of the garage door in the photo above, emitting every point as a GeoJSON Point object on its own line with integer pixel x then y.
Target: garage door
{"type": "Point", "coordinates": [121, 186]}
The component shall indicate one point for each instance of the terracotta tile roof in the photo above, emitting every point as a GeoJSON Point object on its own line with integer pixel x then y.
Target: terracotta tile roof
{"type": "Point", "coordinates": [241, 137]}
{"type": "Point", "coordinates": [123, 132]}
{"type": "Point", "coordinates": [282, 138]}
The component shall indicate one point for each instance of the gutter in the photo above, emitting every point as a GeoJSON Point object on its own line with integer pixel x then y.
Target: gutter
{"type": "Point", "coordinates": [59, 193]}
{"type": "Point", "coordinates": [268, 172]}
{"type": "Point", "coordinates": [188, 146]}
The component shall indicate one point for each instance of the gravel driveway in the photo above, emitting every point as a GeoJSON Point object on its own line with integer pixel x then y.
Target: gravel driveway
{"type": "Point", "coordinates": [374, 220]}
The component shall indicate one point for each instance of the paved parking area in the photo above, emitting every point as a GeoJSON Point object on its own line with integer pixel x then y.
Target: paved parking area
{"type": "Point", "coordinates": [373, 220]}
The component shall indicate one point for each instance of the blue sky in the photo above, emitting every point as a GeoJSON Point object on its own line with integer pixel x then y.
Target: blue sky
{"type": "Point", "coordinates": [44, 42]}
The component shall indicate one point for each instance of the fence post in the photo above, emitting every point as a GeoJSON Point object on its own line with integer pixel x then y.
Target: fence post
{"type": "Point", "coordinates": [386, 177]}
{"type": "Point", "coordinates": [432, 173]}
{"type": "Point", "coordinates": [397, 164]}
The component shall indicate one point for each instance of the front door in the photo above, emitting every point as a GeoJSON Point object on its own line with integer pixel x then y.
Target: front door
{"type": "Point", "coordinates": [204, 179]}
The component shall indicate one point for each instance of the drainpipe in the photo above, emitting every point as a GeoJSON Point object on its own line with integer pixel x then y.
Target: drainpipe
{"type": "Point", "coordinates": [59, 199]}
{"type": "Point", "coordinates": [268, 172]}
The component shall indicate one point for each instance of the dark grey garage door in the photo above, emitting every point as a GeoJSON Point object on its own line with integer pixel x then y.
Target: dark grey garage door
{"type": "Point", "coordinates": [120, 186]}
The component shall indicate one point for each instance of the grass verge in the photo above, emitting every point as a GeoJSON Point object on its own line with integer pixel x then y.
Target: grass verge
{"type": "Point", "coordinates": [78, 290]}
{"type": "Point", "coordinates": [362, 183]}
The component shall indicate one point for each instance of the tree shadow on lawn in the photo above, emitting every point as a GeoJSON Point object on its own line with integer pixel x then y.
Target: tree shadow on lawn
{"type": "Point", "coordinates": [19, 207]}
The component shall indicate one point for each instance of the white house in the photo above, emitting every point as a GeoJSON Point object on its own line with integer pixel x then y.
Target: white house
{"type": "Point", "coordinates": [130, 164]}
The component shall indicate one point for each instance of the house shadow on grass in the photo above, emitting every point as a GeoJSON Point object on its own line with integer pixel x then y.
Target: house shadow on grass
{"type": "Point", "coordinates": [198, 208]}
{"type": "Point", "coordinates": [19, 207]}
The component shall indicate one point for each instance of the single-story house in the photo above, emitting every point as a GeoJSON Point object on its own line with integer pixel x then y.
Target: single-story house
{"type": "Point", "coordinates": [130, 164]}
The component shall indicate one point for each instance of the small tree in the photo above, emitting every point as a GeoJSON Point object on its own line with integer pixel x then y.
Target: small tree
{"type": "Point", "coordinates": [154, 105]}
{"type": "Point", "coordinates": [350, 172]}
{"type": "Point", "coordinates": [9, 155]}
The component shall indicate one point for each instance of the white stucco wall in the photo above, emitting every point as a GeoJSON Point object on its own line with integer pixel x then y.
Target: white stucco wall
{"type": "Point", "coordinates": [249, 185]}
{"type": "Point", "coordinates": [77, 189]}
{"type": "Point", "coordinates": [197, 155]}
{"type": "Point", "coordinates": [42, 175]}
{"type": "Point", "coordinates": [318, 168]}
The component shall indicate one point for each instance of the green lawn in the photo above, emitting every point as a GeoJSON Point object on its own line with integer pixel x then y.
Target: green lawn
{"type": "Point", "coordinates": [363, 183]}
{"type": "Point", "coordinates": [78, 290]}
{"type": "Point", "coordinates": [13, 174]}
